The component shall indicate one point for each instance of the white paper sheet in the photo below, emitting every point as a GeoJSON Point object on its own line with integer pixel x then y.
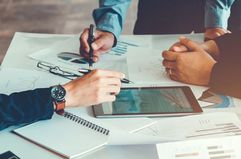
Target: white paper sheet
{"type": "Point", "coordinates": [197, 126]}
{"type": "Point", "coordinates": [123, 124]}
{"type": "Point", "coordinates": [114, 60]}
{"type": "Point", "coordinates": [217, 148]}
{"type": "Point", "coordinates": [16, 80]}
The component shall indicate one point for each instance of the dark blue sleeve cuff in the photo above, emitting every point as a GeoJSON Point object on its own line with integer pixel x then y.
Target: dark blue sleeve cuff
{"type": "Point", "coordinates": [25, 107]}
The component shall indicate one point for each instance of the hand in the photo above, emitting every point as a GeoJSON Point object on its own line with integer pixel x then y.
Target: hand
{"type": "Point", "coordinates": [209, 46]}
{"type": "Point", "coordinates": [96, 87]}
{"type": "Point", "coordinates": [193, 67]}
{"type": "Point", "coordinates": [103, 43]}
{"type": "Point", "coordinates": [212, 33]}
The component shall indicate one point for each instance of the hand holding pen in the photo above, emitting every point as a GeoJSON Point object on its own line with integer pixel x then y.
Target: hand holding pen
{"type": "Point", "coordinates": [104, 41]}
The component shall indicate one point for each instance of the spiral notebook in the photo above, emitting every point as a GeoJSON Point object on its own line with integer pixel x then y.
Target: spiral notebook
{"type": "Point", "coordinates": [68, 135]}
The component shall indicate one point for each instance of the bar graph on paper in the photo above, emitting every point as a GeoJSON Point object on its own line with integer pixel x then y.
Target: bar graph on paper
{"type": "Point", "coordinates": [195, 127]}
{"type": "Point", "coordinates": [219, 148]}
{"type": "Point", "coordinates": [212, 152]}
{"type": "Point", "coordinates": [223, 129]}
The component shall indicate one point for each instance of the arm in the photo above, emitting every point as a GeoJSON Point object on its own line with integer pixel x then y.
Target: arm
{"type": "Point", "coordinates": [226, 74]}
{"type": "Point", "coordinates": [109, 19]}
{"type": "Point", "coordinates": [25, 107]}
{"type": "Point", "coordinates": [110, 16]}
{"type": "Point", "coordinates": [96, 87]}
{"type": "Point", "coordinates": [195, 66]}
{"type": "Point", "coordinates": [217, 13]}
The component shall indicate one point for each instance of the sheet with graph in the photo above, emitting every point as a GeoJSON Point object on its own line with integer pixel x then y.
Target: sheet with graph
{"type": "Point", "coordinates": [216, 148]}
{"type": "Point", "coordinates": [16, 80]}
{"type": "Point", "coordinates": [208, 125]}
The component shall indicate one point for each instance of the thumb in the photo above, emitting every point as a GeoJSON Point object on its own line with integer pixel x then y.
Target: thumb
{"type": "Point", "coordinates": [191, 45]}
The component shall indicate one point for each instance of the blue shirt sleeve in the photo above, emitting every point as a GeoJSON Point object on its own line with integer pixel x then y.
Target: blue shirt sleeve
{"type": "Point", "coordinates": [25, 107]}
{"type": "Point", "coordinates": [217, 13]}
{"type": "Point", "coordinates": [110, 16]}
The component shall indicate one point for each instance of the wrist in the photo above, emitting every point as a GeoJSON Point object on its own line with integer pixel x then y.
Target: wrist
{"type": "Point", "coordinates": [211, 48]}
{"type": "Point", "coordinates": [58, 94]}
{"type": "Point", "coordinates": [111, 35]}
{"type": "Point", "coordinates": [68, 97]}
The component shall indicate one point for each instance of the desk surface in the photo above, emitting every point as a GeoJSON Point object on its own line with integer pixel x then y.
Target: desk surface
{"type": "Point", "coordinates": [16, 57]}
{"type": "Point", "coordinates": [24, 44]}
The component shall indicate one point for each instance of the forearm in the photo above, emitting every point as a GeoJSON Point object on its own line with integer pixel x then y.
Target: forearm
{"type": "Point", "coordinates": [226, 74]}
{"type": "Point", "coordinates": [226, 79]}
{"type": "Point", "coordinates": [217, 13]}
{"type": "Point", "coordinates": [25, 107]}
{"type": "Point", "coordinates": [229, 47]}
{"type": "Point", "coordinates": [110, 16]}
{"type": "Point", "coordinates": [211, 47]}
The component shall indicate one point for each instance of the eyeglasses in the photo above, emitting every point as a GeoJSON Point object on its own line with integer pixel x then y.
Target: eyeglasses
{"type": "Point", "coordinates": [57, 71]}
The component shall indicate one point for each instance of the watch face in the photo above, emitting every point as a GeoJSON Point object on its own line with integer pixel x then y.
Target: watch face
{"type": "Point", "coordinates": [58, 93]}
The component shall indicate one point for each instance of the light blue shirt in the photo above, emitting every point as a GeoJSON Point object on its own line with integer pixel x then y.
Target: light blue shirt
{"type": "Point", "coordinates": [111, 14]}
{"type": "Point", "coordinates": [217, 13]}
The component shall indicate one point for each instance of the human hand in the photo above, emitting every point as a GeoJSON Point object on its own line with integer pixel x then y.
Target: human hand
{"type": "Point", "coordinates": [96, 87]}
{"type": "Point", "coordinates": [103, 43]}
{"type": "Point", "coordinates": [212, 33]}
{"type": "Point", "coordinates": [193, 67]}
{"type": "Point", "coordinates": [178, 47]}
{"type": "Point", "coordinates": [209, 46]}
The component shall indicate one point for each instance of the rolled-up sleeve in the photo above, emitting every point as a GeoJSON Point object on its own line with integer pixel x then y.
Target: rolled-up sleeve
{"type": "Point", "coordinates": [217, 13]}
{"type": "Point", "coordinates": [25, 107]}
{"type": "Point", "coordinates": [110, 16]}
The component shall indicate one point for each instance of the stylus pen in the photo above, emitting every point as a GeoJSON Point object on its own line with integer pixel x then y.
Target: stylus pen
{"type": "Point", "coordinates": [86, 71]}
{"type": "Point", "coordinates": [91, 39]}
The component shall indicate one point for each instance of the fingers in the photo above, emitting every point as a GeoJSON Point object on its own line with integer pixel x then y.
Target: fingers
{"type": "Point", "coordinates": [191, 45]}
{"type": "Point", "coordinates": [98, 44]}
{"type": "Point", "coordinates": [169, 64]}
{"type": "Point", "coordinates": [107, 73]}
{"type": "Point", "coordinates": [83, 41]}
{"type": "Point", "coordinates": [108, 98]}
{"type": "Point", "coordinates": [174, 77]}
{"type": "Point", "coordinates": [177, 47]}
{"type": "Point", "coordinates": [170, 55]}
{"type": "Point", "coordinates": [107, 81]}
{"type": "Point", "coordinates": [113, 90]}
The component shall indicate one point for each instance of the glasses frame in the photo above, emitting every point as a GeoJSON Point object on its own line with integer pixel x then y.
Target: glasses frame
{"type": "Point", "coordinates": [56, 70]}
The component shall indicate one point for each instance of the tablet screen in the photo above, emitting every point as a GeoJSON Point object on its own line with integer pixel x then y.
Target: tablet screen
{"type": "Point", "coordinates": [149, 100]}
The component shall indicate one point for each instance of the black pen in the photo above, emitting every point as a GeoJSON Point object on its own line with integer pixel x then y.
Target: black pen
{"type": "Point", "coordinates": [86, 71]}
{"type": "Point", "coordinates": [91, 39]}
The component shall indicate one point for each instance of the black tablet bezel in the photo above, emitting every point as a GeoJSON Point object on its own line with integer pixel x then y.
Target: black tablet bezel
{"type": "Point", "coordinates": [98, 111]}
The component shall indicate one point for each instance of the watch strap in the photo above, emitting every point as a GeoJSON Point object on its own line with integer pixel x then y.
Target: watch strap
{"type": "Point", "coordinates": [59, 105]}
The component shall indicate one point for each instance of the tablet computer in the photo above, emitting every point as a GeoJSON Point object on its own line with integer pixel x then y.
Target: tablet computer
{"type": "Point", "coordinates": [150, 101]}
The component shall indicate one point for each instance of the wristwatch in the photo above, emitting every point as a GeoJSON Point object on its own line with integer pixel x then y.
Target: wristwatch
{"type": "Point", "coordinates": [58, 96]}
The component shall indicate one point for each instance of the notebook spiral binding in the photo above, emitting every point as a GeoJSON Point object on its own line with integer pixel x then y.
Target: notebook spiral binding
{"type": "Point", "coordinates": [86, 123]}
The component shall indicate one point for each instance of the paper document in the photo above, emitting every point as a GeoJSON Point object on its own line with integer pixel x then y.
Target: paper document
{"type": "Point", "coordinates": [196, 126]}
{"type": "Point", "coordinates": [65, 54]}
{"type": "Point", "coordinates": [217, 148]}
{"type": "Point", "coordinates": [69, 136]}
{"type": "Point", "coordinates": [16, 80]}
{"type": "Point", "coordinates": [123, 124]}
{"type": "Point", "coordinates": [145, 66]}
{"type": "Point", "coordinates": [164, 42]}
